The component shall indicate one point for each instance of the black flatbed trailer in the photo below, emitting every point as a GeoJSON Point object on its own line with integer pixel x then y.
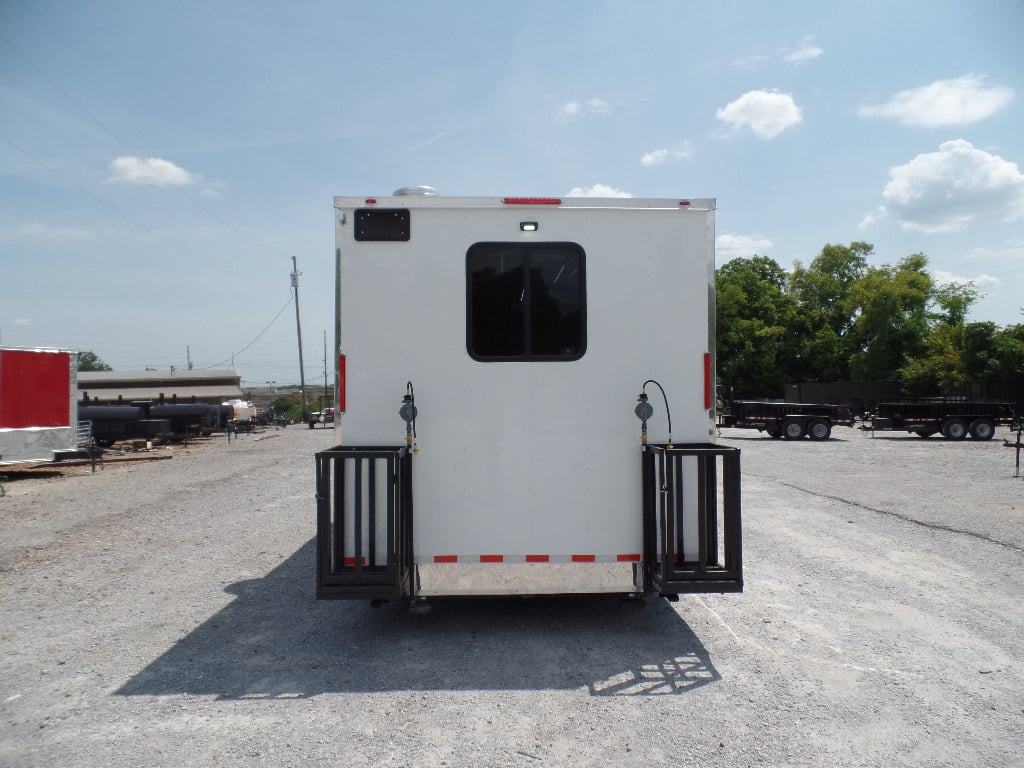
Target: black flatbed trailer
{"type": "Point", "coordinates": [791, 421]}
{"type": "Point", "coordinates": [953, 419]}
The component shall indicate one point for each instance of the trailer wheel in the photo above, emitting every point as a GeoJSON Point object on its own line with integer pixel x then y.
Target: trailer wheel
{"type": "Point", "coordinates": [982, 429]}
{"type": "Point", "coordinates": [954, 429]}
{"type": "Point", "coordinates": [792, 429]}
{"type": "Point", "coordinates": [819, 429]}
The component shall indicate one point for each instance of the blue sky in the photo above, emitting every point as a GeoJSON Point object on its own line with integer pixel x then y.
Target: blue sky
{"type": "Point", "coordinates": [160, 163]}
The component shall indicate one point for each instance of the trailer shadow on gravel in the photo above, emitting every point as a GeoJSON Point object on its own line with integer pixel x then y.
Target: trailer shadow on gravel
{"type": "Point", "coordinates": [275, 641]}
{"type": "Point", "coordinates": [760, 437]}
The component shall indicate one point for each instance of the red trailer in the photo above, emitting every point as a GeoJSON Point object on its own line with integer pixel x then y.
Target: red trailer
{"type": "Point", "coordinates": [38, 410]}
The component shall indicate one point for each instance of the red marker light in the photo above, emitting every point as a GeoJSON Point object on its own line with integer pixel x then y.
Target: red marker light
{"type": "Point", "coordinates": [707, 381]}
{"type": "Point", "coordinates": [341, 383]}
{"type": "Point", "coordinates": [531, 200]}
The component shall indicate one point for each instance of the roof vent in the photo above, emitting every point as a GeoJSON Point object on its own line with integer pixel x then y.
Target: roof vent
{"type": "Point", "coordinates": [416, 192]}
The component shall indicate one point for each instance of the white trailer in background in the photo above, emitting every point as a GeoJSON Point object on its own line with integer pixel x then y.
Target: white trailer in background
{"type": "Point", "coordinates": [38, 410]}
{"type": "Point", "coordinates": [494, 355]}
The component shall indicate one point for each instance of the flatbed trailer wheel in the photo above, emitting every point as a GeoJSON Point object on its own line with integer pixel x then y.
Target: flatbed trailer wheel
{"type": "Point", "coordinates": [819, 429]}
{"type": "Point", "coordinates": [792, 429]}
{"type": "Point", "coordinates": [954, 429]}
{"type": "Point", "coordinates": [982, 429]}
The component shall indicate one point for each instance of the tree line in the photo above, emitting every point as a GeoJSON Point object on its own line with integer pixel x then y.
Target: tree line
{"type": "Point", "coordinates": [839, 319]}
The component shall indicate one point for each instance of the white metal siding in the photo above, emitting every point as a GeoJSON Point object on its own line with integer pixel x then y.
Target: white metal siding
{"type": "Point", "coordinates": [519, 458]}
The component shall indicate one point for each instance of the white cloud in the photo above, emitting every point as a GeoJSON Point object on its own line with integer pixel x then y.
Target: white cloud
{"type": "Point", "coordinates": [748, 62]}
{"type": "Point", "coordinates": [40, 232]}
{"type": "Point", "coordinates": [729, 247]}
{"type": "Point", "coordinates": [960, 101]}
{"type": "Point", "coordinates": [766, 113]}
{"type": "Point", "coordinates": [1011, 251]}
{"type": "Point", "coordinates": [803, 54]}
{"type": "Point", "coordinates": [873, 218]}
{"type": "Point", "coordinates": [575, 110]}
{"type": "Point", "coordinates": [954, 187]}
{"type": "Point", "coordinates": [598, 190]}
{"type": "Point", "coordinates": [980, 281]}
{"type": "Point", "coordinates": [152, 170]}
{"type": "Point", "coordinates": [659, 156]}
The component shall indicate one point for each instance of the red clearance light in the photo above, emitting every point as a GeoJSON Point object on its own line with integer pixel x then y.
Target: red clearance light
{"type": "Point", "coordinates": [707, 381]}
{"type": "Point", "coordinates": [371, 201]}
{"type": "Point", "coordinates": [531, 200]}
{"type": "Point", "coordinates": [684, 202]}
{"type": "Point", "coordinates": [341, 383]}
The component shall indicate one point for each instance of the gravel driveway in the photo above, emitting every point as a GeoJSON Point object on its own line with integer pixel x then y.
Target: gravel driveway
{"type": "Point", "coordinates": [162, 614]}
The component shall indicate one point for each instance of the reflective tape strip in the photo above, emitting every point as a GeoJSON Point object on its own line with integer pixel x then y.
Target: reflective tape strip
{"type": "Point", "coordinates": [626, 557]}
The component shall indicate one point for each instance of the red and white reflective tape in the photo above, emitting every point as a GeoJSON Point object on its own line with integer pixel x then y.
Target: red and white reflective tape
{"type": "Point", "coordinates": [630, 557]}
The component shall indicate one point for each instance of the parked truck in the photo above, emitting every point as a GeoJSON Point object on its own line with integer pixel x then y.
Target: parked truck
{"type": "Point", "coordinates": [954, 419]}
{"type": "Point", "coordinates": [789, 420]}
{"type": "Point", "coordinates": [38, 413]}
{"type": "Point", "coordinates": [501, 365]}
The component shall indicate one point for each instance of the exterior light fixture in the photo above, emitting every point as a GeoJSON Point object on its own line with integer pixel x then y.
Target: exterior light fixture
{"type": "Point", "coordinates": [528, 226]}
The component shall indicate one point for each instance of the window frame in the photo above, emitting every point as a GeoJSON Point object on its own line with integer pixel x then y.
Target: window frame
{"type": "Point", "coordinates": [528, 249]}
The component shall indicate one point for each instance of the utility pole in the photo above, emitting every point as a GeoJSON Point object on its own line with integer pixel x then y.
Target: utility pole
{"type": "Point", "coordinates": [298, 328]}
{"type": "Point", "coordinates": [188, 357]}
{"type": "Point", "coordinates": [324, 404]}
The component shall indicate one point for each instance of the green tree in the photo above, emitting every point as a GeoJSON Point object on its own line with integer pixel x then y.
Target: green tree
{"type": "Point", "coordinates": [754, 318]}
{"type": "Point", "coordinates": [954, 352]}
{"type": "Point", "coordinates": [1008, 352]}
{"type": "Point", "coordinates": [90, 361]}
{"type": "Point", "coordinates": [288, 407]}
{"type": "Point", "coordinates": [824, 310]}
{"type": "Point", "coordinates": [890, 317]}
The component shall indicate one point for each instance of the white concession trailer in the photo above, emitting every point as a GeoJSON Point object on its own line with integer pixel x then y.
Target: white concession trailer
{"type": "Point", "coordinates": [524, 401]}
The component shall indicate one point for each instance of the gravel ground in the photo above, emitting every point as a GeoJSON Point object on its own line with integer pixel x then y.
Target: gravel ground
{"type": "Point", "coordinates": [162, 614]}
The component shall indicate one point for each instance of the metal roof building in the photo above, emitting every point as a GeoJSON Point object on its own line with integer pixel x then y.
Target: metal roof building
{"type": "Point", "coordinates": [213, 387]}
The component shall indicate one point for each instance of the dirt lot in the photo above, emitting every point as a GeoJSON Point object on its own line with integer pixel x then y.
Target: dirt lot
{"type": "Point", "coordinates": [162, 614]}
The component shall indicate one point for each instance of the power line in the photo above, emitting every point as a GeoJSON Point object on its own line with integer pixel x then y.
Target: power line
{"type": "Point", "coordinates": [239, 352]}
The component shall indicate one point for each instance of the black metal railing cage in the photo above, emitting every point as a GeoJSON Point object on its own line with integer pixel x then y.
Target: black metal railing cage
{"type": "Point", "coordinates": [691, 502]}
{"type": "Point", "coordinates": [364, 522]}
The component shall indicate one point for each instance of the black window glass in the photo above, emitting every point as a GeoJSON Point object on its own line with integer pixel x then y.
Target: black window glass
{"type": "Point", "coordinates": [525, 302]}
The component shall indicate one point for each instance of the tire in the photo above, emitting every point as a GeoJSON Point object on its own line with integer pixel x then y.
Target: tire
{"type": "Point", "coordinates": [819, 429]}
{"type": "Point", "coordinates": [954, 429]}
{"type": "Point", "coordinates": [982, 429]}
{"type": "Point", "coordinates": [792, 429]}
